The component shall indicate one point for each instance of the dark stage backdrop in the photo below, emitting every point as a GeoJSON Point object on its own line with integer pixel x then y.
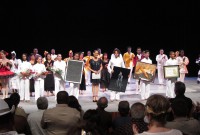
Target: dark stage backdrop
{"type": "Point", "coordinates": [87, 24]}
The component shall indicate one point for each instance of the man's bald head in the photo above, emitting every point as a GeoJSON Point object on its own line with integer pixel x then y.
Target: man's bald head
{"type": "Point", "coordinates": [102, 103]}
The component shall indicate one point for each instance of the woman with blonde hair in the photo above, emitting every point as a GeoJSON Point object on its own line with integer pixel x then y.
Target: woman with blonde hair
{"type": "Point", "coordinates": [157, 107]}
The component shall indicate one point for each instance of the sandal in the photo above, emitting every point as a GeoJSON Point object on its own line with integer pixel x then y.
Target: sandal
{"type": "Point", "coordinates": [94, 99]}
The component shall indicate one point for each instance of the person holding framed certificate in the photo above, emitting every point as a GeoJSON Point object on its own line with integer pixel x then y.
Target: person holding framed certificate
{"type": "Point", "coordinates": [171, 81]}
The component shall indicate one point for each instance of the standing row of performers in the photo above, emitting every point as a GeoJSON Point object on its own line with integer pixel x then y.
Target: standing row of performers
{"type": "Point", "coordinates": [34, 73]}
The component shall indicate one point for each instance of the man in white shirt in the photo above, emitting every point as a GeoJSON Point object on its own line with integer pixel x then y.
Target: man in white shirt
{"type": "Point", "coordinates": [145, 85]}
{"type": "Point", "coordinates": [39, 75]}
{"type": "Point", "coordinates": [183, 61]}
{"type": "Point", "coordinates": [53, 55]}
{"type": "Point", "coordinates": [34, 119]}
{"type": "Point", "coordinates": [59, 82]}
{"type": "Point", "coordinates": [161, 59]}
{"type": "Point", "coordinates": [171, 81]}
{"type": "Point", "coordinates": [118, 62]}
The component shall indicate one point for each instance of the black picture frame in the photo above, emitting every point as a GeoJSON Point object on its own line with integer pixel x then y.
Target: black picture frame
{"type": "Point", "coordinates": [74, 71]}
{"type": "Point", "coordinates": [119, 79]}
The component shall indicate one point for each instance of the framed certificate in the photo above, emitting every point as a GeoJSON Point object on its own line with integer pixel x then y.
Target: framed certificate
{"type": "Point", "coordinates": [171, 71]}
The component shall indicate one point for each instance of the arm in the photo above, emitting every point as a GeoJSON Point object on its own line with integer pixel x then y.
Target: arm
{"type": "Point", "coordinates": [43, 123]}
{"type": "Point", "coordinates": [122, 64]}
{"type": "Point", "coordinates": [125, 58]}
{"type": "Point", "coordinates": [109, 67]}
{"type": "Point", "coordinates": [186, 62]}
{"type": "Point", "coordinates": [100, 68]}
{"type": "Point", "coordinates": [89, 67]}
{"type": "Point", "coordinates": [158, 59]}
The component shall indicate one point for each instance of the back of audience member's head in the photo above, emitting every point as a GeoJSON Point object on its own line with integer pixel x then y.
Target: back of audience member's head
{"type": "Point", "coordinates": [91, 119]}
{"type": "Point", "coordinates": [73, 103]}
{"type": "Point", "coordinates": [62, 97]}
{"type": "Point", "coordinates": [157, 107]}
{"type": "Point", "coordinates": [42, 103]}
{"type": "Point", "coordinates": [102, 103]}
{"type": "Point", "coordinates": [15, 98]}
{"type": "Point", "coordinates": [179, 88]}
{"type": "Point", "coordinates": [179, 108]}
{"type": "Point", "coordinates": [124, 108]}
{"type": "Point", "coordinates": [6, 115]}
{"type": "Point", "coordinates": [137, 110]}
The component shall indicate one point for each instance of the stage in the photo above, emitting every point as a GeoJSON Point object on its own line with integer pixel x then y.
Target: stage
{"type": "Point", "coordinates": [192, 91]}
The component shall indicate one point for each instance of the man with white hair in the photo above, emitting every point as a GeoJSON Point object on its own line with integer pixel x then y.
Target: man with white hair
{"type": "Point", "coordinates": [34, 119]}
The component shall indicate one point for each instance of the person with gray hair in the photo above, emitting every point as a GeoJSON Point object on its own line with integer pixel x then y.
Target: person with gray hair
{"type": "Point", "coordinates": [137, 117]}
{"type": "Point", "coordinates": [34, 119]}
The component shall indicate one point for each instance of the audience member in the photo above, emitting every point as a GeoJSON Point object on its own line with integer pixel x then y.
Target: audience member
{"type": "Point", "coordinates": [157, 107]}
{"type": "Point", "coordinates": [20, 122]}
{"type": "Point", "coordinates": [60, 119]}
{"type": "Point", "coordinates": [15, 97]}
{"type": "Point", "coordinates": [73, 103]}
{"type": "Point", "coordinates": [123, 108]}
{"type": "Point", "coordinates": [105, 117]}
{"type": "Point", "coordinates": [7, 126]}
{"type": "Point", "coordinates": [34, 119]}
{"type": "Point", "coordinates": [137, 115]}
{"type": "Point", "coordinates": [181, 122]}
{"type": "Point", "coordinates": [179, 90]}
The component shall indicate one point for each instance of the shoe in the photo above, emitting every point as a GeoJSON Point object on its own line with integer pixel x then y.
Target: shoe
{"type": "Point", "coordinates": [93, 98]}
{"type": "Point", "coordinates": [96, 98]}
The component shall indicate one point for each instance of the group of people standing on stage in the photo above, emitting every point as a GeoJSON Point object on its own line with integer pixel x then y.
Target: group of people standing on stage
{"type": "Point", "coordinates": [176, 58]}
{"type": "Point", "coordinates": [37, 74]}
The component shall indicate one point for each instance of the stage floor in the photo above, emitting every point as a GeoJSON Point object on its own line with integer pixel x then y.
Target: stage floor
{"type": "Point", "coordinates": [192, 91]}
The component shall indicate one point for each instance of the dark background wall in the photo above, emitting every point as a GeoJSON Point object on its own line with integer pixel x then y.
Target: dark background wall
{"type": "Point", "coordinates": [87, 24]}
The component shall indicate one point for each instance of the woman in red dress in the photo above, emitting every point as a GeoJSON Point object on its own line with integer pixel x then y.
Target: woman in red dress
{"type": "Point", "coordinates": [5, 73]}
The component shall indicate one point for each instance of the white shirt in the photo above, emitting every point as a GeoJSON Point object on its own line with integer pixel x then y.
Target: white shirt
{"type": "Point", "coordinates": [60, 65]}
{"type": "Point", "coordinates": [38, 69]}
{"type": "Point", "coordinates": [24, 66]}
{"type": "Point", "coordinates": [53, 56]}
{"type": "Point", "coordinates": [145, 60]}
{"type": "Point", "coordinates": [161, 59]}
{"type": "Point", "coordinates": [34, 121]}
{"type": "Point", "coordinates": [171, 62]}
{"type": "Point", "coordinates": [17, 63]}
{"type": "Point", "coordinates": [139, 56]}
{"type": "Point", "coordinates": [117, 62]}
